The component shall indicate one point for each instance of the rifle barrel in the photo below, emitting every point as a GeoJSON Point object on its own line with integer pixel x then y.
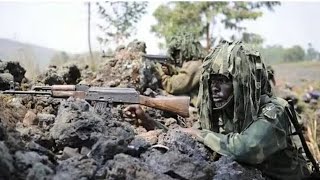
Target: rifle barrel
{"type": "Point", "coordinates": [56, 88]}
{"type": "Point", "coordinates": [27, 92]}
{"type": "Point", "coordinates": [153, 56]}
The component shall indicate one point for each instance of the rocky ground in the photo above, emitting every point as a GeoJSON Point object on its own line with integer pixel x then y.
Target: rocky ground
{"type": "Point", "coordinates": [46, 138]}
{"type": "Point", "coordinates": [75, 142]}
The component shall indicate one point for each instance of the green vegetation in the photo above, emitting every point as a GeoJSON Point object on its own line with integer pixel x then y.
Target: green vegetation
{"type": "Point", "coordinates": [277, 54]}
{"type": "Point", "coordinates": [295, 53]}
{"type": "Point", "coordinates": [200, 18]}
{"type": "Point", "coordinates": [119, 19]}
{"type": "Point", "coordinates": [312, 54]}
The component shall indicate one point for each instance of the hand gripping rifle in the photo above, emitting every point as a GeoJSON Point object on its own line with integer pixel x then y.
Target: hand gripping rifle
{"type": "Point", "coordinates": [175, 104]}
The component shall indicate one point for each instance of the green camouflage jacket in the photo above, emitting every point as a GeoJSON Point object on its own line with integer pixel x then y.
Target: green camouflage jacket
{"type": "Point", "coordinates": [257, 133]}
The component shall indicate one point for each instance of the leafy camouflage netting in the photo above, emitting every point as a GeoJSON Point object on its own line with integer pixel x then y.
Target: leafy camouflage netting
{"type": "Point", "coordinates": [249, 83]}
{"type": "Point", "coordinates": [185, 47]}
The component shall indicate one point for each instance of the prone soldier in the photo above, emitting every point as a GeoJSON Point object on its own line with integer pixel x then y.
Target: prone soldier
{"type": "Point", "coordinates": [241, 118]}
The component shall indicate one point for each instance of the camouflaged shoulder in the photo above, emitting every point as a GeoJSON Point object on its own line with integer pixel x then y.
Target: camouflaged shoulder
{"type": "Point", "coordinates": [274, 108]}
{"type": "Point", "coordinates": [250, 51]}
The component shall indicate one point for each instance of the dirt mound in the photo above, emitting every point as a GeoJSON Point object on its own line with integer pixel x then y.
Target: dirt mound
{"type": "Point", "coordinates": [11, 72]}
{"type": "Point", "coordinates": [14, 68]}
{"type": "Point", "coordinates": [127, 69]}
{"type": "Point", "coordinates": [67, 74]}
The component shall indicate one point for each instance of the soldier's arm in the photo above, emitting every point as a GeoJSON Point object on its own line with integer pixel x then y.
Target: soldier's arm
{"type": "Point", "coordinates": [262, 138]}
{"type": "Point", "coordinates": [182, 82]}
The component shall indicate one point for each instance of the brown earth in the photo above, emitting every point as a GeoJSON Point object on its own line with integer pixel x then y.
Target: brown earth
{"type": "Point", "coordinates": [298, 74]}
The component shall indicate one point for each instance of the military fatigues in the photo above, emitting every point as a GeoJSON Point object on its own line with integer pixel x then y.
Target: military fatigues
{"type": "Point", "coordinates": [185, 81]}
{"type": "Point", "coordinates": [255, 129]}
{"type": "Point", "coordinates": [264, 143]}
{"type": "Point", "coordinates": [188, 54]}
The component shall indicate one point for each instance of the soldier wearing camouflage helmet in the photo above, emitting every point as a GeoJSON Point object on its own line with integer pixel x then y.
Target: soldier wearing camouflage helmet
{"type": "Point", "coordinates": [241, 118]}
{"type": "Point", "coordinates": [188, 54]}
{"type": "Point", "coordinates": [239, 115]}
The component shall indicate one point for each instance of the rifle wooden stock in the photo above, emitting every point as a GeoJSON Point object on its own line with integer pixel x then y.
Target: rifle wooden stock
{"type": "Point", "coordinates": [176, 104]}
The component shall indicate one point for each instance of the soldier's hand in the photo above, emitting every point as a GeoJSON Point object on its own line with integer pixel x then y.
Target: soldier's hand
{"type": "Point", "coordinates": [165, 69]}
{"type": "Point", "coordinates": [135, 111]}
{"type": "Point", "coordinates": [192, 131]}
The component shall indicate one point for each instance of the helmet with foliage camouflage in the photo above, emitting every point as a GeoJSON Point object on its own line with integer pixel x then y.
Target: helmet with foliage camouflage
{"type": "Point", "coordinates": [184, 47]}
{"type": "Point", "coordinates": [249, 79]}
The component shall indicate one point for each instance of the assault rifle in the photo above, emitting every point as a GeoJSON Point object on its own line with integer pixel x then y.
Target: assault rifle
{"type": "Point", "coordinates": [294, 120]}
{"type": "Point", "coordinates": [162, 59]}
{"type": "Point", "coordinates": [106, 95]}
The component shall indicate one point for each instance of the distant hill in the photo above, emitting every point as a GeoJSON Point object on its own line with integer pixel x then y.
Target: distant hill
{"type": "Point", "coordinates": [11, 50]}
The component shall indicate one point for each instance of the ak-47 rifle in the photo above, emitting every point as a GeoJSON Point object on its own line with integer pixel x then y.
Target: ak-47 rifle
{"type": "Point", "coordinates": [294, 120]}
{"type": "Point", "coordinates": [175, 104]}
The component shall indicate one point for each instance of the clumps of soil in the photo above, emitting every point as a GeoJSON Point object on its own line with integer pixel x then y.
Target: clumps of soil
{"type": "Point", "coordinates": [11, 71]}
{"type": "Point", "coordinates": [81, 144]}
{"type": "Point", "coordinates": [127, 68]}
{"type": "Point", "coordinates": [66, 74]}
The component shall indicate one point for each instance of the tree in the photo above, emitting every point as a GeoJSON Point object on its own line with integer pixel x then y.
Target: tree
{"type": "Point", "coordinates": [201, 18]}
{"type": "Point", "coordinates": [251, 38]}
{"type": "Point", "coordinates": [295, 53]}
{"type": "Point", "coordinates": [312, 54]}
{"type": "Point", "coordinates": [89, 29]}
{"type": "Point", "coordinates": [273, 54]}
{"type": "Point", "coordinates": [119, 19]}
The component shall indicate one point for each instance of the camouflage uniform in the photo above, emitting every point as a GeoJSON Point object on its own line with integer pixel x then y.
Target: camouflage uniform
{"type": "Point", "coordinates": [257, 130]}
{"type": "Point", "coordinates": [188, 53]}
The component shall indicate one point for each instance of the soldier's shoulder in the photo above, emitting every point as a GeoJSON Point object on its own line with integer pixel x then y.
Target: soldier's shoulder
{"type": "Point", "coordinates": [192, 65]}
{"type": "Point", "coordinates": [193, 62]}
{"type": "Point", "coordinates": [274, 108]}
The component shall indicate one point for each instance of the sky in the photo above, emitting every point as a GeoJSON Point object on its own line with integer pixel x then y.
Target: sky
{"type": "Point", "coordinates": [63, 25]}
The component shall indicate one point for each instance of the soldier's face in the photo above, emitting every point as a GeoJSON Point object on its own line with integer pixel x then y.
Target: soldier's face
{"type": "Point", "coordinates": [221, 90]}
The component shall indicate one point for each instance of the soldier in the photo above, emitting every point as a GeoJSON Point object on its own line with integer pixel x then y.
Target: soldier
{"type": "Point", "coordinates": [239, 115]}
{"type": "Point", "coordinates": [188, 54]}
